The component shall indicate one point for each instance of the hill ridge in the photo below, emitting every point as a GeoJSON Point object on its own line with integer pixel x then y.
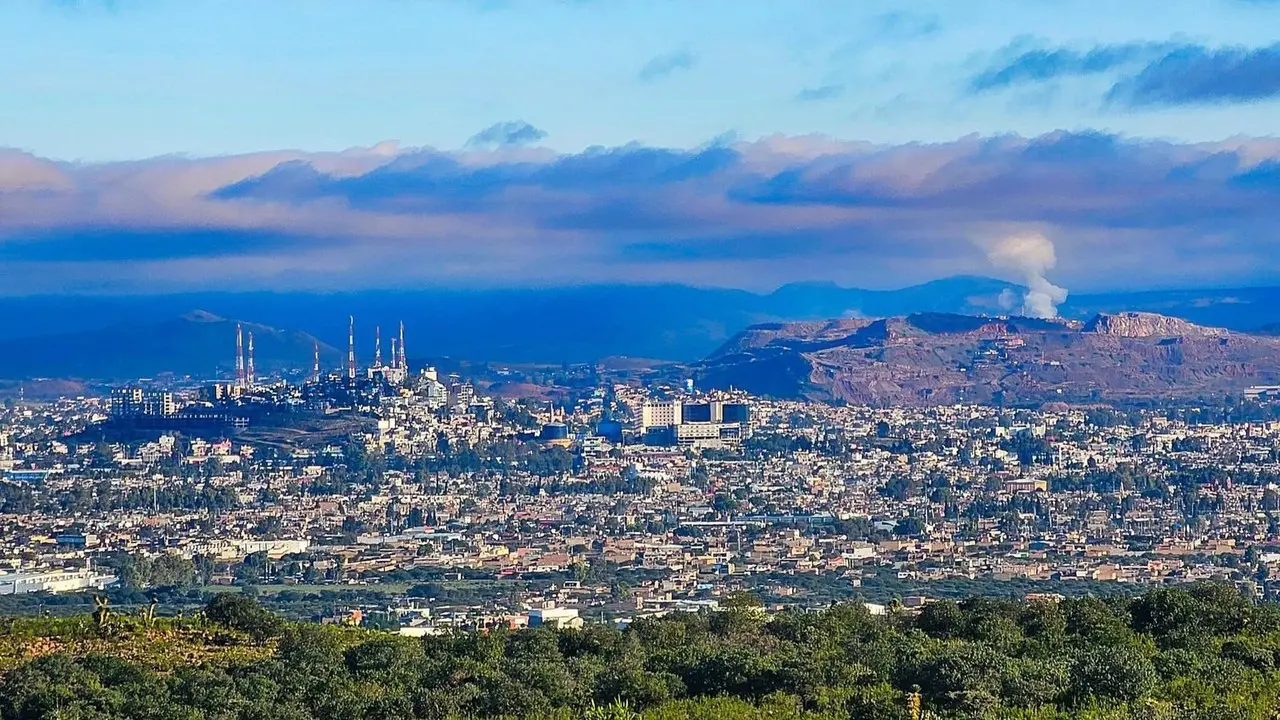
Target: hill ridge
{"type": "Point", "coordinates": [944, 358]}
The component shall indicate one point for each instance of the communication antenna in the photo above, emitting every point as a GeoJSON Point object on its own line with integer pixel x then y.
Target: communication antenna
{"type": "Point", "coordinates": [240, 376]}
{"type": "Point", "coordinates": [351, 349]}
{"type": "Point", "coordinates": [404, 364]}
{"type": "Point", "coordinates": [249, 370]}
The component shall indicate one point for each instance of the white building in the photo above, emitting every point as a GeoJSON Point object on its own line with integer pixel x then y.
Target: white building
{"type": "Point", "coordinates": [231, 549]}
{"type": "Point", "coordinates": [53, 581]}
{"type": "Point", "coordinates": [553, 616]}
{"type": "Point", "coordinates": [661, 414]}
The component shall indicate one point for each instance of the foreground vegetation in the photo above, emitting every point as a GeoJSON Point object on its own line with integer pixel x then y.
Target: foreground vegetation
{"type": "Point", "coordinates": [1197, 652]}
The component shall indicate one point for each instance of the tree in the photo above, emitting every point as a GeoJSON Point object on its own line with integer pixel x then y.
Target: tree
{"type": "Point", "coordinates": [205, 568]}
{"type": "Point", "coordinates": [237, 612]}
{"type": "Point", "coordinates": [942, 619]}
{"type": "Point", "coordinates": [981, 657]}
{"type": "Point", "coordinates": [1119, 673]}
{"type": "Point", "coordinates": [172, 570]}
{"type": "Point", "coordinates": [909, 526]}
{"type": "Point", "coordinates": [391, 662]}
{"type": "Point", "coordinates": [963, 676]}
{"type": "Point", "coordinates": [1177, 616]}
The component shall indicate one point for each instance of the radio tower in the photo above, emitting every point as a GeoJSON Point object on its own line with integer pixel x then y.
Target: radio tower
{"type": "Point", "coordinates": [351, 349]}
{"type": "Point", "coordinates": [239, 356]}
{"type": "Point", "coordinates": [249, 369]}
{"type": "Point", "coordinates": [377, 347]}
{"type": "Point", "coordinates": [404, 365]}
{"type": "Point", "coordinates": [315, 366]}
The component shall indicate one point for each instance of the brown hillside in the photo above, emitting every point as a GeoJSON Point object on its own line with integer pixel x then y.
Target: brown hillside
{"type": "Point", "coordinates": [939, 358]}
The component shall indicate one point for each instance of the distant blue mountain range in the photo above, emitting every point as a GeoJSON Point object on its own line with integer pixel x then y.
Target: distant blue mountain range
{"type": "Point", "coordinates": [74, 336]}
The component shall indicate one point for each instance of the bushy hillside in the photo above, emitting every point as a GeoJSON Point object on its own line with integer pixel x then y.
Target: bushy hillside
{"type": "Point", "coordinates": [1196, 653]}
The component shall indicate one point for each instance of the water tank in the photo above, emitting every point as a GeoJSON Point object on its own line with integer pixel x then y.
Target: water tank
{"type": "Point", "coordinates": [554, 431]}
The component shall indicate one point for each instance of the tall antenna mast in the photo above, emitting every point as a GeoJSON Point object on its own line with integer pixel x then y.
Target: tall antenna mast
{"type": "Point", "coordinates": [351, 349]}
{"type": "Point", "coordinates": [240, 376]}
{"type": "Point", "coordinates": [315, 367]}
{"type": "Point", "coordinates": [249, 370]}
{"type": "Point", "coordinates": [404, 365]}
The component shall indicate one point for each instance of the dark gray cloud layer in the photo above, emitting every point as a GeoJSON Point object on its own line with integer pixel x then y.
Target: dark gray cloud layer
{"type": "Point", "coordinates": [1194, 75]}
{"type": "Point", "coordinates": [1040, 65]}
{"type": "Point", "coordinates": [747, 214]}
{"type": "Point", "coordinates": [1149, 74]}
{"type": "Point", "coordinates": [505, 134]}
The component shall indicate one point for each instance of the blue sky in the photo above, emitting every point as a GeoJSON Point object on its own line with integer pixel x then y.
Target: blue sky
{"type": "Point", "coordinates": [727, 142]}
{"type": "Point", "coordinates": [123, 79]}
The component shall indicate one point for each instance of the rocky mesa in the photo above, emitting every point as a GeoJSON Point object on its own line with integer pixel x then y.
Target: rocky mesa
{"type": "Point", "coordinates": [938, 358]}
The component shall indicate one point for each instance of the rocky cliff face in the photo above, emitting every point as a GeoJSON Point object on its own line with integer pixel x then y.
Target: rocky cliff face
{"type": "Point", "coordinates": [1145, 325]}
{"type": "Point", "coordinates": [941, 359]}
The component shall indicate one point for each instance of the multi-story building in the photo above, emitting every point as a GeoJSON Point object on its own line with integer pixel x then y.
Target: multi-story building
{"type": "Point", "coordinates": [661, 414]}
{"type": "Point", "coordinates": [694, 424]}
{"type": "Point", "coordinates": [134, 401]}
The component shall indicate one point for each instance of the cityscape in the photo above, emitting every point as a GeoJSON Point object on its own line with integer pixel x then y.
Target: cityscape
{"type": "Point", "coordinates": [639, 360]}
{"type": "Point", "coordinates": [387, 490]}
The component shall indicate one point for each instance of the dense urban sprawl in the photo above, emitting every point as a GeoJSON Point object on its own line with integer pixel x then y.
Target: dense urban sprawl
{"type": "Point", "coordinates": [430, 506]}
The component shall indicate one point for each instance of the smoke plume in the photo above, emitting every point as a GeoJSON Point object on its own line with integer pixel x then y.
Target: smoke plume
{"type": "Point", "coordinates": [1032, 256]}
